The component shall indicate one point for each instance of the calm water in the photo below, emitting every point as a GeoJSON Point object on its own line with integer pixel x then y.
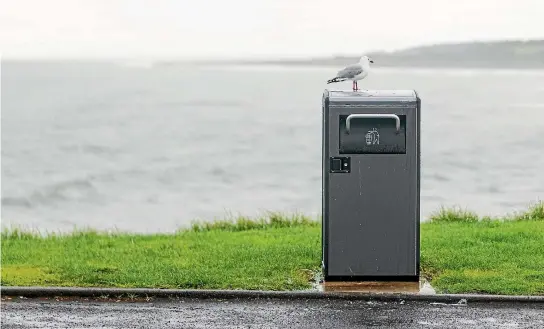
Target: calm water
{"type": "Point", "coordinates": [150, 149]}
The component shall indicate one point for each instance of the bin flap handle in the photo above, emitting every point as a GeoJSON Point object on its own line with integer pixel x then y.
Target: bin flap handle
{"type": "Point", "coordinates": [374, 115]}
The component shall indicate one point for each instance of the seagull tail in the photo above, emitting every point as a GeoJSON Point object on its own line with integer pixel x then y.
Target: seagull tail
{"type": "Point", "coordinates": [333, 80]}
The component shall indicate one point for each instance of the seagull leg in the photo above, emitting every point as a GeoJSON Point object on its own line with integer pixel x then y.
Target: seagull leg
{"type": "Point", "coordinates": [354, 86]}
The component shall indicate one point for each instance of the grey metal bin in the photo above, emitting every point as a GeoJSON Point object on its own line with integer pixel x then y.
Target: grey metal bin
{"type": "Point", "coordinates": [371, 185]}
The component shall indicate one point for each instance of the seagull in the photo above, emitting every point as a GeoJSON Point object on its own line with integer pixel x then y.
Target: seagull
{"type": "Point", "coordinates": [353, 72]}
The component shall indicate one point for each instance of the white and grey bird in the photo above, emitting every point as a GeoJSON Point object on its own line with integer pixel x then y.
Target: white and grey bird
{"type": "Point", "coordinates": [354, 72]}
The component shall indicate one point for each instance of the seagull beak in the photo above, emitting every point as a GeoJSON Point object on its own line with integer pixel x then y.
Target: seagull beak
{"type": "Point", "coordinates": [371, 61]}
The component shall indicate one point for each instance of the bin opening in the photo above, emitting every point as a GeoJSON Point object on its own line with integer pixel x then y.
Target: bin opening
{"type": "Point", "coordinates": [373, 135]}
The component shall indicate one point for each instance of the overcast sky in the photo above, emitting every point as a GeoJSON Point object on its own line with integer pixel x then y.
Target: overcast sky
{"type": "Point", "coordinates": [219, 28]}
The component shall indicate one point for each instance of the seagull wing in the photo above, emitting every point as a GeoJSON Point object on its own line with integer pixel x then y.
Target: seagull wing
{"type": "Point", "coordinates": [350, 71]}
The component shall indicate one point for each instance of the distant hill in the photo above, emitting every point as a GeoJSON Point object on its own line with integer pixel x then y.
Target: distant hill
{"type": "Point", "coordinates": [495, 54]}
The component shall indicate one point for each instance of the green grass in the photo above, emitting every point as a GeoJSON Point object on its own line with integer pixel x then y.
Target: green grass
{"type": "Point", "coordinates": [460, 253]}
{"type": "Point", "coordinates": [464, 253]}
{"type": "Point", "coordinates": [273, 253]}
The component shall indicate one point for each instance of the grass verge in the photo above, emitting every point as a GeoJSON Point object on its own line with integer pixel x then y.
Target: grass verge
{"type": "Point", "coordinates": [460, 253]}
{"type": "Point", "coordinates": [463, 253]}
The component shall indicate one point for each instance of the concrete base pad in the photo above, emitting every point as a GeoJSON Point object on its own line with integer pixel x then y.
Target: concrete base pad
{"type": "Point", "coordinates": [421, 287]}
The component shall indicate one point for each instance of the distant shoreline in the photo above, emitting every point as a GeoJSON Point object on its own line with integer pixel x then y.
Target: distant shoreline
{"type": "Point", "coordinates": [279, 63]}
{"type": "Point", "coordinates": [516, 54]}
{"type": "Point", "coordinates": [493, 55]}
{"type": "Point", "coordinates": [406, 65]}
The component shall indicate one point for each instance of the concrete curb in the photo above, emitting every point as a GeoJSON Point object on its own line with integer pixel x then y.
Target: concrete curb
{"type": "Point", "coordinates": [37, 292]}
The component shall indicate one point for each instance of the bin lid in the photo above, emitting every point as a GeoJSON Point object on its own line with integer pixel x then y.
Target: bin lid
{"type": "Point", "coordinates": [344, 96]}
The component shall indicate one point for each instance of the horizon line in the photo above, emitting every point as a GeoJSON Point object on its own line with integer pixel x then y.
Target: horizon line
{"type": "Point", "coordinates": [269, 56]}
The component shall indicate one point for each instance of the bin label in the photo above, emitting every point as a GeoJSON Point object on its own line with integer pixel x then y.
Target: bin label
{"type": "Point", "coordinates": [372, 137]}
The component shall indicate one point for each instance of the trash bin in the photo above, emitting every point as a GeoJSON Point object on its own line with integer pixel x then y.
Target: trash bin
{"type": "Point", "coordinates": [371, 185]}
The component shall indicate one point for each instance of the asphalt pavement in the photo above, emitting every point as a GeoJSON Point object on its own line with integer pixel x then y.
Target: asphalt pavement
{"type": "Point", "coordinates": [267, 313]}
